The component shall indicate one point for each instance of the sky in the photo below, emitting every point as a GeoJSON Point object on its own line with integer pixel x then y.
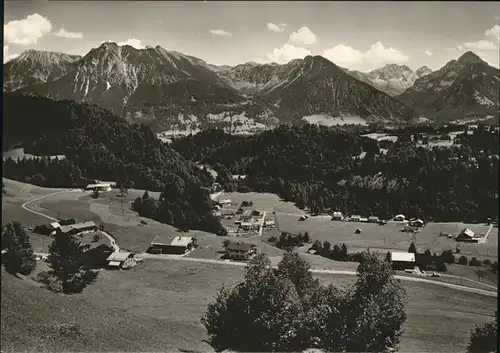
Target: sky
{"type": "Point", "coordinates": [356, 35]}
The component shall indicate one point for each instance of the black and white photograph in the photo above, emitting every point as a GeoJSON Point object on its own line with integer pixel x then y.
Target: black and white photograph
{"type": "Point", "coordinates": [250, 176]}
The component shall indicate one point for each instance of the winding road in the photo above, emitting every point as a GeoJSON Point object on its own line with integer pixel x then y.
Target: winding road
{"type": "Point", "coordinates": [243, 264]}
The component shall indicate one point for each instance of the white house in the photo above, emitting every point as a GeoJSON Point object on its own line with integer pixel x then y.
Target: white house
{"type": "Point", "coordinates": [402, 260]}
{"type": "Point", "coordinates": [99, 187]}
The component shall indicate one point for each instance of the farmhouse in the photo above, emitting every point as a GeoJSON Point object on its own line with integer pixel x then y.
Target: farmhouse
{"type": "Point", "coordinates": [240, 251]}
{"type": "Point", "coordinates": [47, 229]}
{"type": "Point", "coordinates": [373, 219]}
{"type": "Point", "coordinates": [119, 259]}
{"type": "Point", "coordinates": [179, 246]}
{"type": "Point", "coordinates": [77, 228]}
{"type": "Point", "coordinates": [98, 187]}
{"type": "Point", "coordinates": [402, 260]}
{"type": "Point", "coordinates": [337, 216]}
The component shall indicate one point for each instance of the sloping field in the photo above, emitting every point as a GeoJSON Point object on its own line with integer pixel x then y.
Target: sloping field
{"type": "Point", "coordinates": [157, 306]}
{"type": "Point", "coordinates": [384, 238]}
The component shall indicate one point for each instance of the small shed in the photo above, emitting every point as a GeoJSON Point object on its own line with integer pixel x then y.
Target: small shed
{"type": "Point", "coordinates": [417, 222]}
{"type": "Point", "coordinates": [399, 218]}
{"type": "Point", "coordinates": [402, 260]}
{"type": "Point", "coordinates": [358, 231]}
{"type": "Point", "coordinates": [118, 259]}
{"type": "Point", "coordinates": [355, 218]}
{"type": "Point", "coordinates": [303, 218]}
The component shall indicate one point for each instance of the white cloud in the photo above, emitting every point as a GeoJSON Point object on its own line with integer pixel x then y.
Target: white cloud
{"type": "Point", "coordinates": [70, 35]}
{"type": "Point", "coordinates": [493, 33]}
{"type": "Point", "coordinates": [376, 56]}
{"type": "Point", "coordinates": [303, 36]}
{"type": "Point", "coordinates": [276, 28]}
{"type": "Point", "coordinates": [220, 32]}
{"type": "Point", "coordinates": [26, 31]}
{"type": "Point", "coordinates": [133, 42]}
{"type": "Point", "coordinates": [460, 47]}
{"type": "Point", "coordinates": [344, 55]}
{"type": "Point", "coordinates": [285, 54]}
{"type": "Point", "coordinates": [481, 45]}
{"type": "Point", "coordinates": [6, 55]}
{"type": "Point", "coordinates": [429, 53]}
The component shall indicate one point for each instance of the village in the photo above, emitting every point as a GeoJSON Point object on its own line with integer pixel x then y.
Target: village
{"type": "Point", "coordinates": [243, 222]}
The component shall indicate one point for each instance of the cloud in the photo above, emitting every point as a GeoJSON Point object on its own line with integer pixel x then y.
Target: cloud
{"type": "Point", "coordinates": [26, 31]}
{"type": "Point", "coordinates": [285, 54]}
{"type": "Point", "coordinates": [344, 55]}
{"type": "Point", "coordinates": [6, 55]}
{"type": "Point", "coordinates": [220, 32]}
{"type": "Point", "coordinates": [481, 45]}
{"type": "Point", "coordinates": [133, 42]}
{"type": "Point", "coordinates": [429, 53]}
{"type": "Point", "coordinates": [460, 47]}
{"type": "Point", "coordinates": [276, 28]}
{"type": "Point", "coordinates": [376, 56]}
{"type": "Point", "coordinates": [490, 43]}
{"type": "Point", "coordinates": [493, 33]}
{"type": "Point", "coordinates": [70, 35]}
{"type": "Point", "coordinates": [303, 36]}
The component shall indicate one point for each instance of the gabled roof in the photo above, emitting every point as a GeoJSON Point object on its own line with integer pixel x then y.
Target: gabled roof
{"type": "Point", "coordinates": [240, 246]}
{"type": "Point", "coordinates": [181, 241]}
{"type": "Point", "coordinates": [336, 214]}
{"type": "Point", "coordinates": [54, 225]}
{"type": "Point", "coordinates": [402, 256]}
{"type": "Point", "coordinates": [119, 256]}
{"type": "Point", "coordinates": [467, 232]}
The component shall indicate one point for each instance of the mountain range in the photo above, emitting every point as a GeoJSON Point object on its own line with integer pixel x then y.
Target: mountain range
{"type": "Point", "coordinates": [392, 79]}
{"type": "Point", "coordinates": [168, 90]}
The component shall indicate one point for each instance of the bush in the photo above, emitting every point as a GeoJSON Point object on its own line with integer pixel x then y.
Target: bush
{"type": "Point", "coordinates": [463, 260]}
{"type": "Point", "coordinates": [487, 262]}
{"type": "Point", "coordinates": [448, 257]}
{"type": "Point", "coordinates": [273, 239]}
{"type": "Point", "coordinates": [474, 262]}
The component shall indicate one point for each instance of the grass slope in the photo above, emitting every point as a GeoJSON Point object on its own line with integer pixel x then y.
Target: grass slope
{"type": "Point", "coordinates": [157, 306]}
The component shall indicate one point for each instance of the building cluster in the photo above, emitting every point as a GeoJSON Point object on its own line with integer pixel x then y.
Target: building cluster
{"type": "Point", "coordinates": [105, 251]}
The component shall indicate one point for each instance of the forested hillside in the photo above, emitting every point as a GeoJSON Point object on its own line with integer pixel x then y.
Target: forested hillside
{"type": "Point", "coordinates": [99, 145]}
{"type": "Point", "coordinates": [319, 168]}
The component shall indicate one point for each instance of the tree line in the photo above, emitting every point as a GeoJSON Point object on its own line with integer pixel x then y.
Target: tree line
{"type": "Point", "coordinates": [100, 146]}
{"type": "Point", "coordinates": [320, 168]}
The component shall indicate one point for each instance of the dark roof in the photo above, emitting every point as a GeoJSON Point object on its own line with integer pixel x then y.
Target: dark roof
{"type": "Point", "coordinates": [240, 246]}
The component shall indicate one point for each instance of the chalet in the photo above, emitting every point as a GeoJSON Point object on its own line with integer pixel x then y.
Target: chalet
{"type": "Point", "coordinates": [77, 228]}
{"type": "Point", "coordinates": [337, 216]}
{"type": "Point", "coordinates": [269, 223]}
{"type": "Point", "coordinates": [417, 222]}
{"type": "Point", "coordinates": [119, 259]}
{"type": "Point", "coordinates": [225, 202]}
{"type": "Point", "coordinates": [179, 246]}
{"type": "Point", "coordinates": [240, 251]}
{"type": "Point", "coordinates": [355, 218]}
{"type": "Point", "coordinates": [373, 219]}
{"type": "Point", "coordinates": [363, 219]}
{"type": "Point", "coordinates": [47, 229]}
{"type": "Point", "coordinates": [402, 260]}
{"type": "Point", "coordinates": [399, 218]}
{"type": "Point", "coordinates": [98, 187]}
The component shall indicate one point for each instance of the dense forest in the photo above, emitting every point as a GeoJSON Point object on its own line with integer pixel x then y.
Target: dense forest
{"type": "Point", "coordinates": [101, 146]}
{"type": "Point", "coordinates": [322, 169]}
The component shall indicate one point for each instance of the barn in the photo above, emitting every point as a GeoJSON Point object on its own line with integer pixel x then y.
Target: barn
{"type": "Point", "coordinates": [78, 228]}
{"type": "Point", "coordinates": [402, 260]}
{"type": "Point", "coordinates": [178, 246]}
{"type": "Point", "coordinates": [119, 259]}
